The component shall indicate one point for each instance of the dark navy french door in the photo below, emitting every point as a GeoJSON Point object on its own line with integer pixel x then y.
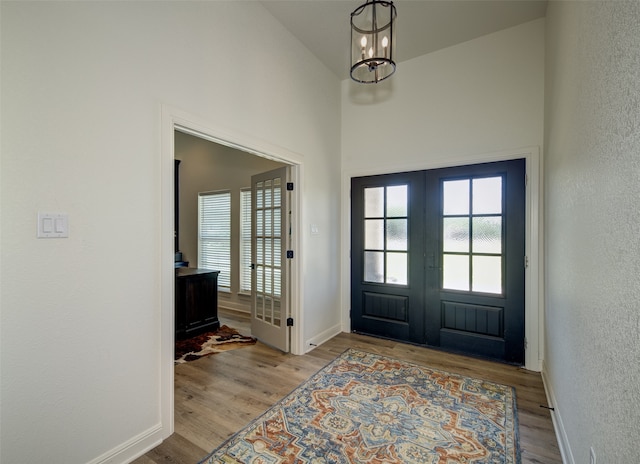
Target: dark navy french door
{"type": "Point", "coordinates": [437, 258]}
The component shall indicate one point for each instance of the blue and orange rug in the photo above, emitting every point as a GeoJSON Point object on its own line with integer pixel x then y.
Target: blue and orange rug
{"type": "Point", "coordinates": [366, 408]}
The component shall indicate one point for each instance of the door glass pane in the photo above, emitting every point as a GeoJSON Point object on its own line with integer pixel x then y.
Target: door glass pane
{"type": "Point", "coordinates": [268, 230]}
{"type": "Point", "coordinates": [487, 234]}
{"type": "Point", "coordinates": [374, 202]}
{"type": "Point", "coordinates": [487, 274]}
{"type": "Point", "coordinates": [277, 285]}
{"type": "Point", "coordinates": [374, 266]}
{"type": "Point", "coordinates": [386, 228]}
{"type": "Point", "coordinates": [277, 252]}
{"type": "Point", "coordinates": [276, 312]}
{"type": "Point", "coordinates": [267, 253]}
{"type": "Point", "coordinates": [267, 280]}
{"type": "Point", "coordinates": [259, 222]}
{"type": "Point", "coordinates": [259, 279]}
{"type": "Point", "coordinates": [259, 195]}
{"type": "Point", "coordinates": [276, 192]}
{"type": "Point", "coordinates": [487, 195]}
{"type": "Point", "coordinates": [267, 194]}
{"type": "Point", "coordinates": [260, 251]}
{"type": "Point", "coordinates": [397, 234]}
{"type": "Point", "coordinates": [455, 232]}
{"type": "Point", "coordinates": [455, 272]}
{"type": "Point", "coordinates": [277, 218]}
{"type": "Point", "coordinates": [268, 309]}
{"type": "Point", "coordinates": [455, 197]}
{"type": "Point", "coordinates": [374, 234]}
{"type": "Point", "coordinates": [397, 201]}
{"type": "Point", "coordinates": [397, 268]}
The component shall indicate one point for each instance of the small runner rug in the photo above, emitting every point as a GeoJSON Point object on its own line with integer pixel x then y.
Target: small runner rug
{"type": "Point", "coordinates": [223, 339]}
{"type": "Point", "coordinates": [366, 408]}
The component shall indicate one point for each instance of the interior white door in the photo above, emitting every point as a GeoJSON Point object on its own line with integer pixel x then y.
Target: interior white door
{"type": "Point", "coordinates": [270, 239]}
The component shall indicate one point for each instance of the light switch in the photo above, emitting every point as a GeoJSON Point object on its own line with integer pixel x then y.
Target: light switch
{"type": "Point", "coordinates": [47, 225]}
{"type": "Point", "coordinates": [53, 225]}
{"type": "Point", "coordinates": [60, 225]}
{"type": "Point", "coordinates": [314, 229]}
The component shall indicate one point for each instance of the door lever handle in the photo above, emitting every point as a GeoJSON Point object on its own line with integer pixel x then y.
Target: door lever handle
{"type": "Point", "coordinates": [431, 260]}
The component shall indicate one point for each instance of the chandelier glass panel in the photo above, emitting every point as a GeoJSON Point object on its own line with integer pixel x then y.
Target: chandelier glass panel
{"type": "Point", "coordinates": [373, 41]}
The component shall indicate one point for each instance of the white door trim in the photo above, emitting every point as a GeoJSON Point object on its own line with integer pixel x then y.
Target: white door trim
{"type": "Point", "coordinates": [173, 119]}
{"type": "Point", "coordinates": [534, 310]}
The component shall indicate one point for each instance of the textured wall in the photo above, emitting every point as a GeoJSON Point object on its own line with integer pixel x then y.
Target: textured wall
{"type": "Point", "coordinates": [592, 172]}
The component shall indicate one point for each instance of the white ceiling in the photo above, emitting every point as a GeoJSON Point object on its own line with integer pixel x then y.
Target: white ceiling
{"type": "Point", "coordinates": [422, 26]}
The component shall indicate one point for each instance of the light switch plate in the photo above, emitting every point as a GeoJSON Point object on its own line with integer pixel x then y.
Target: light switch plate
{"type": "Point", "coordinates": [53, 225]}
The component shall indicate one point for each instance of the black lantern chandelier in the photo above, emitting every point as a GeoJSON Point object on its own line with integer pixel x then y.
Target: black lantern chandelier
{"type": "Point", "coordinates": [372, 41]}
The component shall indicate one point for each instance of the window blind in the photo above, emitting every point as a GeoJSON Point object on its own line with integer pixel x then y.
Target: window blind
{"type": "Point", "coordinates": [214, 234]}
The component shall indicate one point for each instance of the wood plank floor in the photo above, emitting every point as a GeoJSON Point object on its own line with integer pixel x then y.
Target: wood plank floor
{"type": "Point", "coordinates": [218, 395]}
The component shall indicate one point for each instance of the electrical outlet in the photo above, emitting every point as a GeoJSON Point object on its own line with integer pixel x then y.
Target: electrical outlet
{"type": "Point", "coordinates": [592, 456]}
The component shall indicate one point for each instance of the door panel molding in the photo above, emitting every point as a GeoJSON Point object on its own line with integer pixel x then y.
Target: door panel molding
{"type": "Point", "coordinates": [393, 308]}
{"type": "Point", "coordinates": [473, 318]}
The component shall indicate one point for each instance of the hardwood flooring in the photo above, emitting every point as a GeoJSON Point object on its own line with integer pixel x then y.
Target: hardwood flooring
{"type": "Point", "coordinates": [218, 395]}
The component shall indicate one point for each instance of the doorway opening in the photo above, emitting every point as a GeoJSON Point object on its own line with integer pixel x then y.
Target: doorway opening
{"type": "Point", "coordinates": [176, 123]}
{"type": "Point", "coordinates": [232, 211]}
{"type": "Point", "coordinates": [438, 258]}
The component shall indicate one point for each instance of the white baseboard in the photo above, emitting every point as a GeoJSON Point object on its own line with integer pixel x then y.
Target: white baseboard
{"type": "Point", "coordinates": [133, 448]}
{"type": "Point", "coordinates": [235, 308]}
{"type": "Point", "coordinates": [322, 337]}
{"type": "Point", "coordinates": [556, 417]}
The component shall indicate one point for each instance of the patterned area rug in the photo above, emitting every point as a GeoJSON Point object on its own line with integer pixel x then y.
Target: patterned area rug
{"type": "Point", "coordinates": [223, 339]}
{"type": "Point", "coordinates": [366, 408]}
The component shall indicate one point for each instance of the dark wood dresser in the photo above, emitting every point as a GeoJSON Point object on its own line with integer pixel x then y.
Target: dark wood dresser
{"type": "Point", "coordinates": [196, 308]}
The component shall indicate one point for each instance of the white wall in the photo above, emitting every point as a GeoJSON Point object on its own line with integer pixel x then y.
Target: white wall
{"type": "Point", "coordinates": [479, 97]}
{"type": "Point", "coordinates": [83, 84]}
{"type": "Point", "coordinates": [592, 172]}
{"type": "Point", "coordinates": [478, 101]}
